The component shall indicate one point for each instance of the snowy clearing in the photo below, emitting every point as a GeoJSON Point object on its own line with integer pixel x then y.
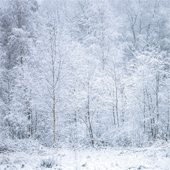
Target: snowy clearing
{"type": "Point", "coordinates": [157, 158]}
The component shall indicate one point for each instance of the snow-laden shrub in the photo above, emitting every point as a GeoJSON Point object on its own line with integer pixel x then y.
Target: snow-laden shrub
{"type": "Point", "coordinates": [117, 138]}
{"type": "Point", "coordinates": [47, 163]}
{"type": "Point", "coordinates": [20, 145]}
{"type": "Point", "coordinates": [4, 160]}
{"type": "Point", "coordinates": [10, 167]}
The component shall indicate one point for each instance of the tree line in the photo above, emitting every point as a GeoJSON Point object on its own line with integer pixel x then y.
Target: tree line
{"type": "Point", "coordinates": [85, 72]}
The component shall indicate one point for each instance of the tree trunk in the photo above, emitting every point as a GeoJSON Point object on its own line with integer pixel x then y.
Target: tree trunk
{"type": "Point", "coordinates": [89, 118]}
{"type": "Point", "coordinates": [157, 103]}
{"type": "Point", "coordinates": [54, 119]}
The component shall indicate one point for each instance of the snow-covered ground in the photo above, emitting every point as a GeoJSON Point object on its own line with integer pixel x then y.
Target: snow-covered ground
{"type": "Point", "coordinates": [155, 157]}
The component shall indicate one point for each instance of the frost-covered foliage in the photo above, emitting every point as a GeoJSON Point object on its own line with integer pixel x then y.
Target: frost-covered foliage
{"type": "Point", "coordinates": [84, 73]}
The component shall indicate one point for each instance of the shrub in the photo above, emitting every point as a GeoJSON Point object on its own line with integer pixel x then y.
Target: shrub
{"type": "Point", "coordinates": [47, 163]}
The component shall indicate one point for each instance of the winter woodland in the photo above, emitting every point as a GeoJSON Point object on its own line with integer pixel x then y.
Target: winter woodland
{"type": "Point", "coordinates": [84, 73]}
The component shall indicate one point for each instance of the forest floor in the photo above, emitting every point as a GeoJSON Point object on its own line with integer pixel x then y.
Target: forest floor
{"type": "Point", "coordinates": [156, 157]}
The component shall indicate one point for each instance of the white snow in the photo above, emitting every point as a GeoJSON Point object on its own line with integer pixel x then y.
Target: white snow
{"type": "Point", "coordinates": [155, 157]}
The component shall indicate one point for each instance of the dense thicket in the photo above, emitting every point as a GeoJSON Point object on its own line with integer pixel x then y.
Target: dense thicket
{"type": "Point", "coordinates": [85, 72]}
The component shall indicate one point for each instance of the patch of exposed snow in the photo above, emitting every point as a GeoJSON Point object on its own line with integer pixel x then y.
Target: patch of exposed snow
{"type": "Point", "coordinates": [152, 158]}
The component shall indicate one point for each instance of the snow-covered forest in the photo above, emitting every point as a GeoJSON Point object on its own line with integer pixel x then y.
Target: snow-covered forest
{"type": "Point", "coordinates": [84, 74]}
